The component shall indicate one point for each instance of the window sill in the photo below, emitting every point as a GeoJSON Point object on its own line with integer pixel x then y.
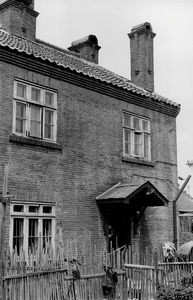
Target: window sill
{"type": "Point", "coordinates": [33, 142]}
{"type": "Point", "coordinates": [138, 161]}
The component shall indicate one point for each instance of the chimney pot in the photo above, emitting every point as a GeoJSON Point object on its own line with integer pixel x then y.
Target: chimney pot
{"type": "Point", "coordinates": [87, 47]}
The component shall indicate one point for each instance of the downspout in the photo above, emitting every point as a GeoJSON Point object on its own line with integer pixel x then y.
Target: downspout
{"type": "Point", "coordinates": [175, 211]}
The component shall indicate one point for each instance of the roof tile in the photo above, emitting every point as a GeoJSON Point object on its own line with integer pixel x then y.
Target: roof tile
{"type": "Point", "coordinates": [68, 60]}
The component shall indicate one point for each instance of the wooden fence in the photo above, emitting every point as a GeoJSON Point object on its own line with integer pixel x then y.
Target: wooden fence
{"type": "Point", "coordinates": [48, 275]}
{"type": "Point", "coordinates": [143, 281]}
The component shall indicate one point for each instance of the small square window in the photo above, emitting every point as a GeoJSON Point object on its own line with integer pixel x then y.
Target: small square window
{"type": "Point", "coordinates": [136, 124]}
{"type": "Point", "coordinates": [35, 94]}
{"type": "Point", "coordinates": [18, 208]}
{"type": "Point", "coordinates": [127, 120]}
{"type": "Point", "coordinates": [33, 209]}
{"type": "Point", "coordinates": [145, 126]}
{"type": "Point", "coordinates": [47, 209]}
{"type": "Point", "coordinates": [21, 90]}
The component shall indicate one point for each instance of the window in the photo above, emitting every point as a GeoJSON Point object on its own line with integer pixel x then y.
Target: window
{"type": "Point", "coordinates": [30, 223]}
{"type": "Point", "coordinates": [136, 137]}
{"type": "Point", "coordinates": [35, 111]}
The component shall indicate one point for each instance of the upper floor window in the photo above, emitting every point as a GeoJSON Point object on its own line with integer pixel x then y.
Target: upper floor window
{"type": "Point", "coordinates": [136, 137]}
{"type": "Point", "coordinates": [35, 111]}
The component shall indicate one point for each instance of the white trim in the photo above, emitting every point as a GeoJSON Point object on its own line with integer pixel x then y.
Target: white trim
{"type": "Point", "coordinates": [139, 131]}
{"type": "Point", "coordinates": [28, 101]}
{"type": "Point", "coordinates": [26, 216]}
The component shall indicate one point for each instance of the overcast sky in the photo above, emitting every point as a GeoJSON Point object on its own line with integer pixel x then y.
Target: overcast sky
{"type": "Point", "coordinates": [62, 21]}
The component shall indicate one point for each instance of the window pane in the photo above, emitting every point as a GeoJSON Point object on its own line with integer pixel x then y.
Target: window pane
{"type": "Point", "coordinates": [137, 144]}
{"type": "Point", "coordinates": [33, 234]}
{"type": "Point", "coordinates": [127, 120]}
{"type": "Point", "coordinates": [136, 124]}
{"type": "Point", "coordinates": [21, 90]}
{"type": "Point", "coordinates": [48, 116]}
{"type": "Point", "coordinates": [47, 228]}
{"type": "Point", "coordinates": [127, 136]}
{"type": "Point", "coordinates": [48, 124]}
{"type": "Point", "coordinates": [127, 141]}
{"type": "Point", "coordinates": [35, 94]}
{"type": "Point", "coordinates": [35, 113]}
{"type": "Point", "coordinates": [146, 145]}
{"type": "Point", "coordinates": [17, 234]}
{"type": "Point", "coordinates": [47, 209]}
{"type": "Point", "coordinates": [18, 208]}
{"type": "Point", "coordinates": [35, 128]}
{"type": "Point", "coordinates": [33, 209]}
{"type": "Point", "coordinates": [47, 232]}
{"type": "Point", "coordinates": [20, 117]}
{"type": "Point", "coordinates": [48, 132]}
{"type": "Point", "coordinates": [20, 110]}
{"type": "Point", "coordinates": [20, 126]}
{"type": "Point", "coordinates": [49, 98]}
{"type": "Point", "coordinates": [145, 126]}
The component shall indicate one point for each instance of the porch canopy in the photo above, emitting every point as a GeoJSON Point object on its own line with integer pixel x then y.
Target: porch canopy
{"type": "Point", "coordinates": [134, 195]}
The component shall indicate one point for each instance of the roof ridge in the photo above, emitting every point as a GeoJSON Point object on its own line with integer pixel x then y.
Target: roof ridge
{"type": "Point", "coordinates": [68, 60]}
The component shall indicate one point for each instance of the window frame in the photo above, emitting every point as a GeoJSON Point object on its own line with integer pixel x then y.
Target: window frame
{"type": "Point", "coordinates": [26, 216]}
{"type": "Point", "coordinates": [29, 102]}
{"type": "Point", "coordinates": [141, 132]}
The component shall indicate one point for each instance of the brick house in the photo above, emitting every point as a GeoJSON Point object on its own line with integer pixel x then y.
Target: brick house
{"type": "Point", "coordinates": [88, 150]}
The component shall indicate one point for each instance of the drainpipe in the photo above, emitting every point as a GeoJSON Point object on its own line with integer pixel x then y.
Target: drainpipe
{"type": "Point", "coordinates": [175, 210]}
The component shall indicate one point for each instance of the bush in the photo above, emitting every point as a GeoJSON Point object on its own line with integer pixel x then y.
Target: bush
{"type": "Point", "coordinates": [184, 291]}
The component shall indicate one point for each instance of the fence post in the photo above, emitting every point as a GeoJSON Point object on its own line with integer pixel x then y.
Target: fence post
{"type": "Point", "coordinates": [156, 270]}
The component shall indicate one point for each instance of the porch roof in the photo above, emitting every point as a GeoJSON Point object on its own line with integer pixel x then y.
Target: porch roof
{"type": "Point", "coordinates": [145, 194]}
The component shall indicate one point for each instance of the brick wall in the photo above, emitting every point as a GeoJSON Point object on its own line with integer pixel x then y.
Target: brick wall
{"type": "Point", "coordinates": [90, 132]}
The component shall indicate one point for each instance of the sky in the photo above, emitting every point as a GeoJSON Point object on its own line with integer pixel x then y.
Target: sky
{"type": "Point", "coordinates": [61, 22]}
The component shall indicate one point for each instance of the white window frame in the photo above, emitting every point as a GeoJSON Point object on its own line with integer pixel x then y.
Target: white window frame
{"type": "Point", "coordinates": [27, 101]}
{"type": "Point", "coordinates": [26, 215]}
{"type": "Point", "coordinates": [141, 132]}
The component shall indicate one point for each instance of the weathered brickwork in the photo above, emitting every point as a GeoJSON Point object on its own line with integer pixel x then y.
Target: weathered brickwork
{"type": "Point", "coordinates": [90, 134]}
{"type": "Point", "coordinates": [18, 19]}
{"type": "Point", "coordinates": [87, 158]}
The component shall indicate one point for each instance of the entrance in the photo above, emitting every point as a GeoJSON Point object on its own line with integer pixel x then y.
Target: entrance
{"type": "Point", "coordinates": [122, 207]}
{"type": "Point", "coordinates": [121, 225]}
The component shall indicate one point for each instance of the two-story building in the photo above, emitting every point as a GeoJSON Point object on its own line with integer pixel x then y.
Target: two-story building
{"type": "Point", "coordinates": [88, 150]}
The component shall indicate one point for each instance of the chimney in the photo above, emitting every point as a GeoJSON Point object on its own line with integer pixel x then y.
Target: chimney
{"type": "Point", "coordinates": [87, 47]}
{"type": "Point", "coordinates": [19, 18]}
{"type": "Point", "coordinates": [141, 45]}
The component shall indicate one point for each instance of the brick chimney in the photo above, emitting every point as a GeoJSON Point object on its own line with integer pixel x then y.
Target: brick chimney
{"type": "Point", "coordinates": [141, 46]}
{"type": "Point", "coordinates": [87, 47]}
{"type": "Point", "coordinates": [19, 18]}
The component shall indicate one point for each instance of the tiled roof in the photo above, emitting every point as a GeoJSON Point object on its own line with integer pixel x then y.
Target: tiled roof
{"type": "Point", "coordinates": [129, 190]}
{"type": "Point", "coordinates": [119, 191]}
{"type": "Point", "coordinates": [68, 60]}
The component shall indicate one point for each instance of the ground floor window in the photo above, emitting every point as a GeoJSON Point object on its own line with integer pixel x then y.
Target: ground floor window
{"type": "Point", "coordinates": [32, 225]}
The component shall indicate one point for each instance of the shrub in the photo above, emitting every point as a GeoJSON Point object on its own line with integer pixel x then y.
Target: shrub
{"type": "Point", "coordinates": [184, 291]}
